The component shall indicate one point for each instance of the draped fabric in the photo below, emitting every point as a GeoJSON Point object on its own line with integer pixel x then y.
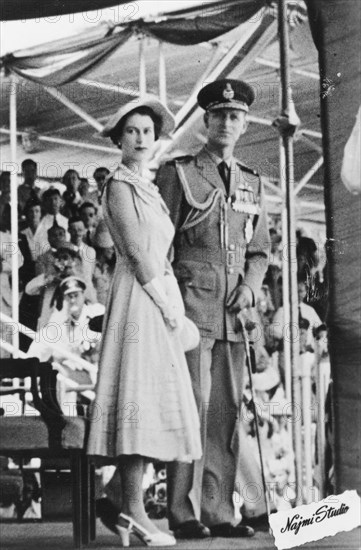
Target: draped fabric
{"type": "Point", "coordinates": [260, 38]}
{"type": "Point", "coordinates": [335, 26]}
{"type": "Point", "coordinates": [62, 61]}
{"type": "Point", "coordinates": [205, 23]}
{"type": "Point", "coordinates": [14, 10]}
{"type": "Point", "coordinates": [65, 60]}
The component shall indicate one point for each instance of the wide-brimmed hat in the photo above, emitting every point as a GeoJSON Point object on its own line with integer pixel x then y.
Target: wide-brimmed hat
{"type": "Point", "coordinates": [167, 119]}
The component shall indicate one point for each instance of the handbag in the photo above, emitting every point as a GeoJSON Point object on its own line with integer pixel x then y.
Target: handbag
{"type": "Point", "coordinates": [189, 335]}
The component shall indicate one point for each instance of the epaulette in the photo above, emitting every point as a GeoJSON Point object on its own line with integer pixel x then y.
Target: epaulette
{"type": "Point", "coordinates": [248, 169]}
{"type": "Point", "coordinates": [183, 159]}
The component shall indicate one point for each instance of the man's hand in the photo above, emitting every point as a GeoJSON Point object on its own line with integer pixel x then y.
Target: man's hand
{"type": "Point", "coordinates": [241, 298]}
{"type": "Point", "coordinates": [51, 278]}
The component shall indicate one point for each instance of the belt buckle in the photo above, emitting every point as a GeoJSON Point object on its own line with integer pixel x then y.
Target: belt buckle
{"type": "Point", "coordinates": [231, 258]}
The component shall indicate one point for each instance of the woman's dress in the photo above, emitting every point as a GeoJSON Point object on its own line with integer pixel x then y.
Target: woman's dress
{"type": "Point", "coordinates": [144, 399]}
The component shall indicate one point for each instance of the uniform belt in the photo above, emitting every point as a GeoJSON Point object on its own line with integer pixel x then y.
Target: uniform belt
{"type": "Point", "coordinates": [221, 258]}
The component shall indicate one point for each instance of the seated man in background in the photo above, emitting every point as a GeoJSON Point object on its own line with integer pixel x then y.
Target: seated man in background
{"type": "Point", "coordinates": [51, 202]}
{"type": "Point", "coordinates": [28, 190]}
{"type": "Point", "coordinates": [88, 213]}
{"type": "Point", "coordinates": [100, 176]}
{"type": "Point", "coordinates": [4, 191]}
{"type": "Point", "coordinates": [32, 211]}
{"type": "Point", "coordinates": [72, 199]}
{"type": "Point", "coordinates": [56, 239]}
{"type": "Point", "coordinates": [87, 253]}
{"type": "Point", "coordinates": [69, 330]}
{"type": "Point", "coordinates": [87, 194]}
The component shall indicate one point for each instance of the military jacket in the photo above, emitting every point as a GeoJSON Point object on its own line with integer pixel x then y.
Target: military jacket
{"type": "Point", "coordinates": [221, 241]}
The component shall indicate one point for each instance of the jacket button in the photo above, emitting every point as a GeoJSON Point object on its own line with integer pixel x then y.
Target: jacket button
{"type": "Point", "coordinates": [232, 247]}
{"type": "Point", "coordinates": [230, 270]}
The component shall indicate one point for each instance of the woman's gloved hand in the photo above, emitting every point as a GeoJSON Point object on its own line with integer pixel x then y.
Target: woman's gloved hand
{"type": "Point", "coordinates": [156, 291]}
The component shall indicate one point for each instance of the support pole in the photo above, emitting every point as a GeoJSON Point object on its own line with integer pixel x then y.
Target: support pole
{"type": "Point", "coordinates": [68, 142]}
{"type": "Point", "coordinates": [309, 174]}
{"type": "Point", "coordinates": [162, 74]}
{"type": "Point", "coordinates": [291, 341]}
{"type": "Point", "coordinates": [285, 278]}
{"type": "Point", "coordinates": [306, 360]}
{"type": "Point", "coordinates": [253, 39]}
{"type": "Point", "coordinates": [14, 217]}
{"type": "Point", "coordinates": [142, 69]}
{"type": "Point", "coordinates": [56, 93]}
{"type": "Point", "coordinates": [322, 383]}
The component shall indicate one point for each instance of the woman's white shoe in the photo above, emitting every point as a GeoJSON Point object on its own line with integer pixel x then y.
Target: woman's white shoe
{"type": "Point", "coordinates": [127, 525]}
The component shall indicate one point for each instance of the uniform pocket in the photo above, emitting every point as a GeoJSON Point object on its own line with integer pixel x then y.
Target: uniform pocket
{"type": "Point", "coordinates": [196, 275]}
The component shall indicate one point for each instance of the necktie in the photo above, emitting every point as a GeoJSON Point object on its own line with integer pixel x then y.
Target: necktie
{"type": "Point", "coordinates": [224, 173]}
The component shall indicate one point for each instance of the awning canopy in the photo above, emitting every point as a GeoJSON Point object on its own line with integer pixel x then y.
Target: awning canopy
{"type": "Point", "coordinates": [113, 76]}
{"type": "Point", "coordinates": [62, 61]}
{"type": "Point", "coordinates": [14, 10]}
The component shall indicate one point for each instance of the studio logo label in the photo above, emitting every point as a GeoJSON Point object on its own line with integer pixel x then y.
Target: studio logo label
{"type": "Point", "coordinates": [317, 520]}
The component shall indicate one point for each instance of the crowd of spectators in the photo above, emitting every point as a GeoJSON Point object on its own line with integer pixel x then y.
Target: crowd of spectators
{"type": "Point", "coordinates": [65, 249]}
{"type": "Point", "coordinates": [61, 233]}
{"type": "Point", "coordinates": [269, 381]}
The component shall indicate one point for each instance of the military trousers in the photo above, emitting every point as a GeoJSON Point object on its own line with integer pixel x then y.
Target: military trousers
{"type": "Point", "coordinates": [204, 489]}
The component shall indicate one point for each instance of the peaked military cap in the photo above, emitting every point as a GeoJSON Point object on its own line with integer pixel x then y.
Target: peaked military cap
{"type": "Point", "coordinates": [226, 94]}
{"type": "Point", "coordinates": [72, 284]}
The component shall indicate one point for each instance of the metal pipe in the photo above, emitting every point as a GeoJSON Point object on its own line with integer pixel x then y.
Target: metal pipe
{"type": "Point", "coordinates": [127, 90]}
{"type": "Point", "coordinates": [306, 178]}
{"type": "Point", "coordinates": [190, 112]}
{"type": "Point", "coordinates": [255, 413]}
{"type": "Point", "coordinates": [322, 383]}
{"type": "Point", "coordinates": [275, 65]}
{"type": "Point", "coordinates": [14, 216]}
{"type": "Point", "coordinates": [289, 231]}
{"type": "Point", "coordinates": [306, 360]}
{"type": "Point", "coordinates": [54, 92]}
{"type": "Point", "coordinates": [285, 278]}
{"type": "Point", "coordinates": [162, 73]}
{"type": "Point", "coordinates": [71, 142]}
{"type": "Point", "coordinates": [142, 69]}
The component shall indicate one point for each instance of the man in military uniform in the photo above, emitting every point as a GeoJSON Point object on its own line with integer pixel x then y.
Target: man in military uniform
{"type": "Point", "coordinates": [220, 258]}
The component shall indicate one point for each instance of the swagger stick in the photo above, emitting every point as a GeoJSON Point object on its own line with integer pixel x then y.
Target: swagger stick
{"type": "Point", "coordinates": [249, 366]}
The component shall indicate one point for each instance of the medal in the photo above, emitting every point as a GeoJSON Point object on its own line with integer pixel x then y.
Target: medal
{"type": "Point", "coordinates": [244, 201]}
{"type": "Point", "coordinates": [248, 229]}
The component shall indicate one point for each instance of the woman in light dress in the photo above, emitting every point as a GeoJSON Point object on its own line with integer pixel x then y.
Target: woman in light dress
{"type": "Point", "coordinates": [144, 407]}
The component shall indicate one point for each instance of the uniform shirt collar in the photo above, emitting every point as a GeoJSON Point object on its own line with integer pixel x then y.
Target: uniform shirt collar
{"type": "Point", "coordinates": [84, 316]}
{"type": "Point", "coordinates": [216, 159]}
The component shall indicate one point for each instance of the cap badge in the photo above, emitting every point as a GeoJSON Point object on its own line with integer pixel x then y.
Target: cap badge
{"type": "Point", "coordinates": [228, 92]}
